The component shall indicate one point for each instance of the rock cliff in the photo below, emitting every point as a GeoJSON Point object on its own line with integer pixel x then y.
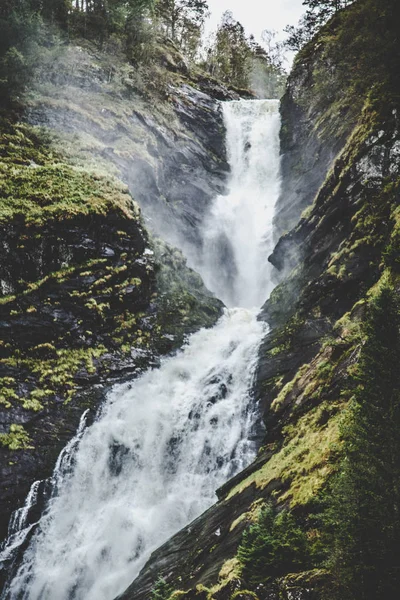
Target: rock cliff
{"type": "Point", "coordinates": [164, 138]}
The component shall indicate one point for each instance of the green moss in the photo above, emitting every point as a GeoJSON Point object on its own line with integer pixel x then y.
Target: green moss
{"type": "Point", "coordinates": [312, 579]}
{"type": "Point", "coordinates": [348, 329]}
{"type": "Point", "coordinates": [244, 594]}
{"type": "Point", "coordinates": [183, 302]}
{"type": "Point", "coordinates": [54, 375]}
{"type": "Point", "coordinates": [391, 253]}
{"type": "Point", "coordinates": [16, 439]}
{"type": "Point", "coordinates": [36, 186]}
{"type": "Point", "coordinates": [304, 462]}
{"type": "Point", "coordinates": [285, 336]}
{"type": "Point", "coordinates": [288, 388]}
{"type": "Point", "coordinates": [33, 402]}
{"type": "Point", "coordinates": [250, 516]}
{"type": "Point", "coordinates": [7, 299]}
{"type": "Point", "coordinates": [8, 391]}
{"type": "Point", "coordinates": [230, 571]}
{"type": "Point", "coordinates": [324, 370]}
{"type": "Point", "coordinates": [279, 349]}
{"type": "Point", "coordinates": [39, 188]}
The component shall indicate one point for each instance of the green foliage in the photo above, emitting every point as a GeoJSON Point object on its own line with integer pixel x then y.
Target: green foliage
{"type": "Point", "coordinates": [361, 43]}
{"type": "Point", "coordinates": [242, 62]}
{"type": "Point", "coordinates": [36, 186]}
{"type": "Point", "coordinates": [181, 292]}
{"type": "Point", "coordinates": [316, 15]}
{"type": "Point", "coordinates": [16, 439]}
{"type": "Point", "coordinates": [183, 21]}
{"type": "Point", "coordinates": [161, 590]}
{"type": "Point", "coordinates": [227, 57]}
{"type": "Point", "coordinates": [364, 513]}
{"type": "Point", "coordinates": [244, 595]}
{"type": "Point", "coordinates": [21, 28]}
{"type": "Point", "coordinates": [29, 28]}
{"type": "Point", "coordinates": [100, 19]}
{"type": "Point", "coordinates": [266, 75]}
{"type": "Point", "coordinates": [391, 254]}
{"type": "Point", "coordinates": [273, 546]}
{"type": "Point", "coordinates": [137, 31]}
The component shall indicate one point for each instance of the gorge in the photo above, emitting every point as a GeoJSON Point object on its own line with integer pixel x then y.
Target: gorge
{"type": "Point", "coordinates": [226, 344]}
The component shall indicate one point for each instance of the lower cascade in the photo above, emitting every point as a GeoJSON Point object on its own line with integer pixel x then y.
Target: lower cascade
{"type": "Point", "coordinates": [162, 444]}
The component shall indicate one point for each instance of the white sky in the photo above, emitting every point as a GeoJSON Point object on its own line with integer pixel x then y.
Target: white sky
{"type": "Point", "coordinates": [257, 15]}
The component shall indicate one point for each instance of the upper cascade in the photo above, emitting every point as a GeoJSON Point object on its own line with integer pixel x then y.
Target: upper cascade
{"type": "Point", "coordinates": [237, 232]}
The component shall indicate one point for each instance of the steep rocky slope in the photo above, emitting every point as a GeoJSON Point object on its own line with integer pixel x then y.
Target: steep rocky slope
{"type": "Point", "coordinates": [163, 136]}
{"type": "Point", "coordinates": [87, 299]}
{"type": "Point", "coordinates": [333, 261]}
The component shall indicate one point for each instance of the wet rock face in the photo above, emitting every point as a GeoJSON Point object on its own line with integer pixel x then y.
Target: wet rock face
{"type": "Point", "coordinates": [57, 332]}
{"type": "Point", "coordinates": [87, 305]}
{"type": "Point", "coordinates": [309, 144]}
{"type": "Point", "coordinates": [169, 149]}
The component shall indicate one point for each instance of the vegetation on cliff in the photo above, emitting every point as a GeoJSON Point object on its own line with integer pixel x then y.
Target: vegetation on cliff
{"type": "Point", "coordinates": [273, 546]}
{"type": "Point", "coordinates": [353, 378]}
{"type": "Point", "coordinates": [317, 14]}
{"type": "Point", "coordinates": [363, 507]}
{"type": "Point", "coordinates": [86, 296]}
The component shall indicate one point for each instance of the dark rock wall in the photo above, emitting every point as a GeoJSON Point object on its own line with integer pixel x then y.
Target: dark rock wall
{"type": "Point", "coordinates": [317, 118]}
{"type": "Point", "coordinates": [168, 147]}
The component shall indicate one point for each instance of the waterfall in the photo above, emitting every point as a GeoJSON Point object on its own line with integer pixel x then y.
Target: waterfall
{"type": "Point", "coordinates": [237, 233]}
{"type": "Point", "coordinates": [162, 444]}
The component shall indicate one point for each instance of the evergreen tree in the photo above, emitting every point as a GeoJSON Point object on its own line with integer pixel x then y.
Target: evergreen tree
{"type": "Point", "coordinates": [275, 50]}
{"type": "Point", "coordinates": [365, 505]}
{"type": "Point", "coordinates": [273, 546]}
{"type": "Point", "coordinates": [56, 11]}
{"type": "Point", "coordinates": [21, 28]}
{"type": "Point", "coordinates": [161, 590]}
{"type": "Point", "coordinates": [138, 29]}
{"type": "Point", "coordinates": [228, 55]}
{"type": "Point", "coordinates": [266, 75]}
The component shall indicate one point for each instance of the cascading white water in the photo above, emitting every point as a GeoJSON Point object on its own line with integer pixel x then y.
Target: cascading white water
{"type": "Point", "coordinates": [164, 443]}
{"type": "Point", "coordinates": [149, 465]}
{"type": "Point", "coordinates": [238, 231]}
